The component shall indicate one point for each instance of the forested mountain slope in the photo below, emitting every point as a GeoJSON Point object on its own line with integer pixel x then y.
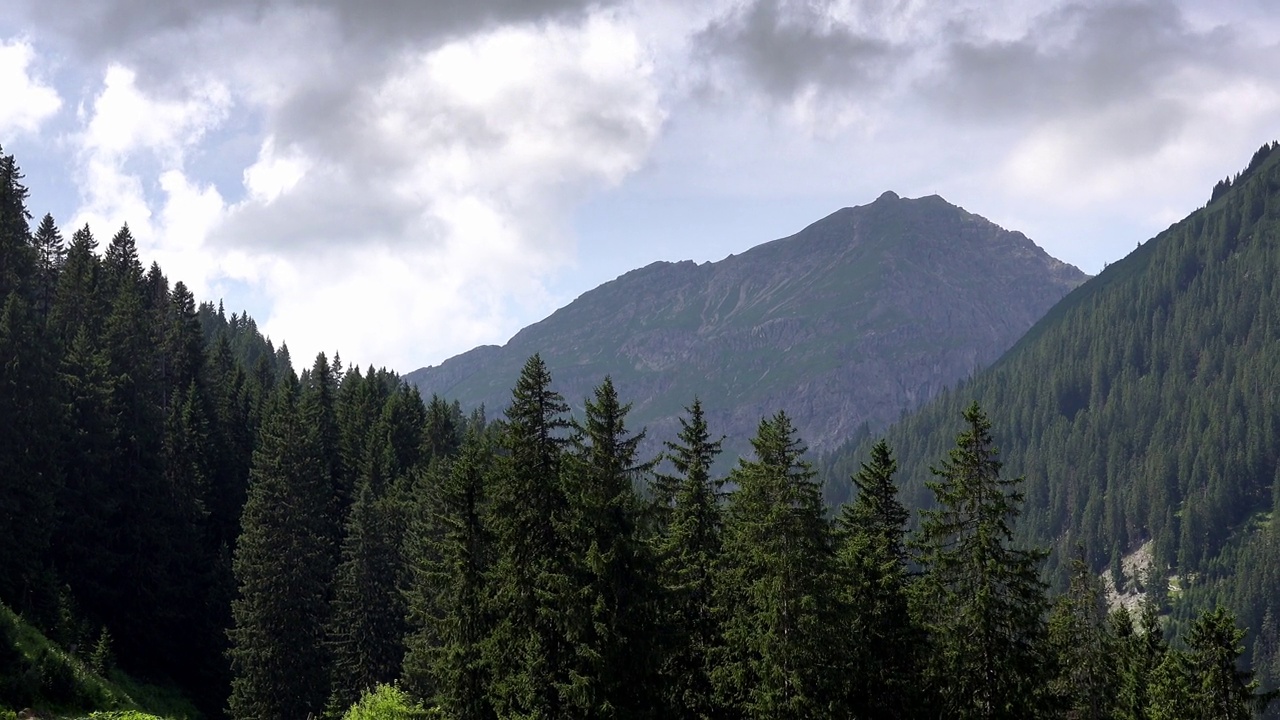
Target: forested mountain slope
{"type": "Point", "coordinates": [177, 502]}
{"type": "Point", "coordinates": [865, 313]}
{"type": "Point", "coordinates": [1145, 407]}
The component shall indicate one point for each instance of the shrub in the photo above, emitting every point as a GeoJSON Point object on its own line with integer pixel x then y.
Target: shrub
{"type": "Point", "coordinates": [387, 702]}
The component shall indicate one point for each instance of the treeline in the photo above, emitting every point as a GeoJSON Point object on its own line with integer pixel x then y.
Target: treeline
{"type": "Point", "coordinates": [128, 417]}
{"type": "Point", "coordinates": [516, 569]}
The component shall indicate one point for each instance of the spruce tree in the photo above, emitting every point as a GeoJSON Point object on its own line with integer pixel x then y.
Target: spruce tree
{"type": "Point", "coordinates": [367, 627]}
{"type": "Point", "coordinates": [17, 259]}
{"type": "Point", "coordinates": [526, 651]}
{"type": "Point", "coordinates": [882, 640]}
{"type": "Point", "coordinates": [693, 454]}
{"type": "Point", "coordinates": [443, 432]}
{"type": "Point", "coordinates": [82, 542]}
{"type": "Point", "coordinates": [318, 408]}
{"type": "Point", "coordinates": [79, 299]}
{"type": "Point", "coordinates": [981, 598]}
{"type": "Point", "coordinates": [607, 620]}
{"type": "Point", "coordinates": [283, 567]}
{"type": "Point", "coordinates": [141, 527]}
{"type": "Point", "coordinates": [1085, 685]}
{"type": "Point", "coordinates": [450, 552]}
{"type": "Point", "coordinates": [1140, 651]}
{"type": "Point", "coordinates": [30, 477]}
{"type": "Point", "coordinates": [50, 253]}
{"type": "Point", "coordinates": [358, 405]}
{"type": "Point", "coordinates": [1220, 689]}
{"type": "Point", "coordinates": [776, 591]}
{"type": "Point", "coordinates": [688, 549]}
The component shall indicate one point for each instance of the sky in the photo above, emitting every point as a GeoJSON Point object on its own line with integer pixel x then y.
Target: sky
{"type": "Point", "coordinates": [403, 180]}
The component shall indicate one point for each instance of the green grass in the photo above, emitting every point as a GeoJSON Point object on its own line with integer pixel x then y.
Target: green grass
{"type": "Point", "coordinates": [36, 673]}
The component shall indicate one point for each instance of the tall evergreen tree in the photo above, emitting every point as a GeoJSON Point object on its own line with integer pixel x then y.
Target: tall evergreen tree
{"type": "Point", "coordinates": [367, 627]}
{"type": "Point", "coordinates": [1139, 654]}
{"type": "Point", "coordinates": [50, 254]}
{"type": "Point", "coordinates": [882, 642]}
{"type": "Point", "coordinates": [17, 259]}
{"type": "Point", "coordinates": [776, 590]}
{"type": "Point", "coordinates": [1221, 690]}
{"type": "Point", "coordinates": [78, 301]}
{"type": "Point", "coordinates": [317, 407]}
{"type": "Point", "coordinates": [981, 598]}
{"type": "Point", "coordinates": [283, 565]}
{"type": "Point", "coordinates": [450, 553]}
{"type": "Point", "coordinates": [526, 651]}
{"type": "Point", "coordinates": [608, 619]}
{"type": "Point", "coordinates": [30, 480]}
{"type": "Point", "coordinates": [443, 434]}
{"type": "Point", "coordinates": [688, 549]}
{"type": "Point", "coordinates": [82, 541]}
{"type": "Point", "coordinates": [1085, 685]}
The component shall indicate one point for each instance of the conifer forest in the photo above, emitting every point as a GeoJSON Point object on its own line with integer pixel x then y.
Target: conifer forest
{"type": "Point", "coordinates": [180, 509]}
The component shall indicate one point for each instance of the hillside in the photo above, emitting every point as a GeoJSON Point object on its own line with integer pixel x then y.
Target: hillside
{"type": "Point", "coordinates": [1144, 408]}
{"type": "Point", "coordinates": [865, 313]}
{"type": "Point", "coordinates": [35, 672]}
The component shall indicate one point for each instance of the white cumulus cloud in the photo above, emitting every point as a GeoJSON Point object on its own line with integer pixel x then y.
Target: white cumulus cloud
{"type": "Point", "coordinates": [430, 222]}
{"type": "Point", "coordinates": [28, 101]}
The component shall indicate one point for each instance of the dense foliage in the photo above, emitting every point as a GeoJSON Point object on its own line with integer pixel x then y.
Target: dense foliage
{"type": "Point", "coordinates": [1143, 412]}
{"type": "Point", "coordinates": [178, 501]}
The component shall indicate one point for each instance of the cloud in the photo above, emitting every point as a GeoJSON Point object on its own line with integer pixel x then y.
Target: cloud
{"type": "Point", "coordinates": [788, 48]}
{"type": "Point", "coordinates": [416, 163]}
{"type": "Point", "coordinates": [28, 101]}
{"type": "Point", "coordinates": [1107, 101]}
{"type": "Point", "coordinates": [451, 202]}
{"type": "Point", "coordinates": [401, 180]}
{"type": "Point", "coordinates": [107, 28]}
{"type": "Point", "coordinates": [124, 126]}
{"type": "Point", "coordinates": [1075, 58]}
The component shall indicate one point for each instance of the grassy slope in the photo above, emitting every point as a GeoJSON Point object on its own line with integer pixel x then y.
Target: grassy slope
{"type": "Point", "coordinates": [35, 673]}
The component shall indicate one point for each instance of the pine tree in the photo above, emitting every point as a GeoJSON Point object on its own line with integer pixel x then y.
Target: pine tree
{"type": "Point", "coordinates": [82, 541]}
{"type": "Point", "coordinates": [1085, 685]}
{"type": "Point", "coordinates": [30, 481]}
{"type": "Point", "coordinates": [50, 254]}
{"type": "Point", "coordinates": [450, 553]}
{"type": "Point", "coordinates": [317, 407]}
{"type": "Point", "coordinates": [78, 301]}
{"type": "Point", "coordinates": [283, 566]}
{"type": "Point", "coordinates": [367, 628]}
{"type": "Point", "coordinates": [358, 405]}
{"type": "Point", "coordinates": [688, 549]}
{"type": "Point", "coordinates": [981, 598]}
{"type": "Point", "coordinates": [17, 259]}
{"type": "Point", "coordinates": [605, 620]}
{"type": "Point", "coordinates": [1220, 689]}
{"type": "Point", "coordinates": [526, 651]}
{"type": "Point", "coordinates": [182, 356]}
{"type": "Point", "coordinates": [1172, 689]}
{"type": "Point", "coordinates": [694, 456]}
{"type": "Point", "coordinates": [1139, 655]}
{"type": "Point", "coordinates": [442, 436]}
{"type": "Point", "coordinates": [776, 590]}
{"type": "Point", "coordinates": [882, 640]}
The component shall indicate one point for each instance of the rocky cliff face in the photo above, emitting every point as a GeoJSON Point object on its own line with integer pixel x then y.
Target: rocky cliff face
{"type": "Point", "coordinates": [860, 316]}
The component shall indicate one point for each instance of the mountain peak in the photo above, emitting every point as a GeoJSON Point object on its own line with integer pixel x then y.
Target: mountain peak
{"type": "Point", "coordinates": [854, 319]}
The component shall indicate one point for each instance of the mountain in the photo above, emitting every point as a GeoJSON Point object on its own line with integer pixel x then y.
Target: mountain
{"type": "Point", "coordinates": [863, 314]}
{"type": "Point", "coordinates": [1144, 411]}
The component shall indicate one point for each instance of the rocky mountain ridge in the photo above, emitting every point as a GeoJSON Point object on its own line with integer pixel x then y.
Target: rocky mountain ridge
{"type": "Point", "coordinates": [862, 315]}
